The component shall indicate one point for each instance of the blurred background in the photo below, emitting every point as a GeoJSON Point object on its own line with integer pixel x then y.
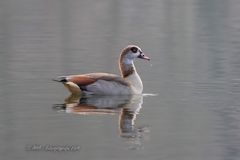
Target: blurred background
{"type": "Point", "coordinates": [194, 70]}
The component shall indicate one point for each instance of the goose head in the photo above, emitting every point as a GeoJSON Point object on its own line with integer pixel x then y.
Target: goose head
{"type": "Point", "coordinates": [130, 53]}
{"type": "Point", "coordinates": [127, 57]}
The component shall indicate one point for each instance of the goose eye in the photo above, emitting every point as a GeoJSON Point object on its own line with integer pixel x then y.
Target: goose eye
{"type": "Point", "coordinates": [134, 49]}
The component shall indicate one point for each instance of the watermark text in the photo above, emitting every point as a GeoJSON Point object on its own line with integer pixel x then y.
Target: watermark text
{"type": "Point", "coordinates": [52, 148]}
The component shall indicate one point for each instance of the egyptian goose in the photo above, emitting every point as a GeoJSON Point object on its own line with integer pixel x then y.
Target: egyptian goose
{"type": "Point", "coordinates": [109, 84]}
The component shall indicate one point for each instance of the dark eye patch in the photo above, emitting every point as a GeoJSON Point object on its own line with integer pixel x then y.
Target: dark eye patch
{"type": "Point", "coordinates": [134, 49]}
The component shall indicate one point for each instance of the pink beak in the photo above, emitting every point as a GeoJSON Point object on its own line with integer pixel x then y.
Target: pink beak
{"type": "Point", "coordinates": [142, 56]}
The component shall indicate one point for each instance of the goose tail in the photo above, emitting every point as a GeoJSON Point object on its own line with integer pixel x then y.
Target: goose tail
{"type": "Point", "coordinates": [60, 79]}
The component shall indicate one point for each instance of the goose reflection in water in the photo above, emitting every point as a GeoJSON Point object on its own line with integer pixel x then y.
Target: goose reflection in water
{"type": "Point", "coordinates": [126, 107]}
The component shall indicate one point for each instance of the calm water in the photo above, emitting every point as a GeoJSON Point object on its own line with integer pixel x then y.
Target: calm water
{"type": "Point", "coordinates": [190, 109]}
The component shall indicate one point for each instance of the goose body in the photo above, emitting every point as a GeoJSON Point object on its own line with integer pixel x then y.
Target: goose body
{"type": "Point", "coordinates": [109, 84]}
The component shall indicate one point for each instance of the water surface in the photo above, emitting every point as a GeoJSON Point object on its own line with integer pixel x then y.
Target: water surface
{"type": "Point", "coordinates": [194, 72]}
